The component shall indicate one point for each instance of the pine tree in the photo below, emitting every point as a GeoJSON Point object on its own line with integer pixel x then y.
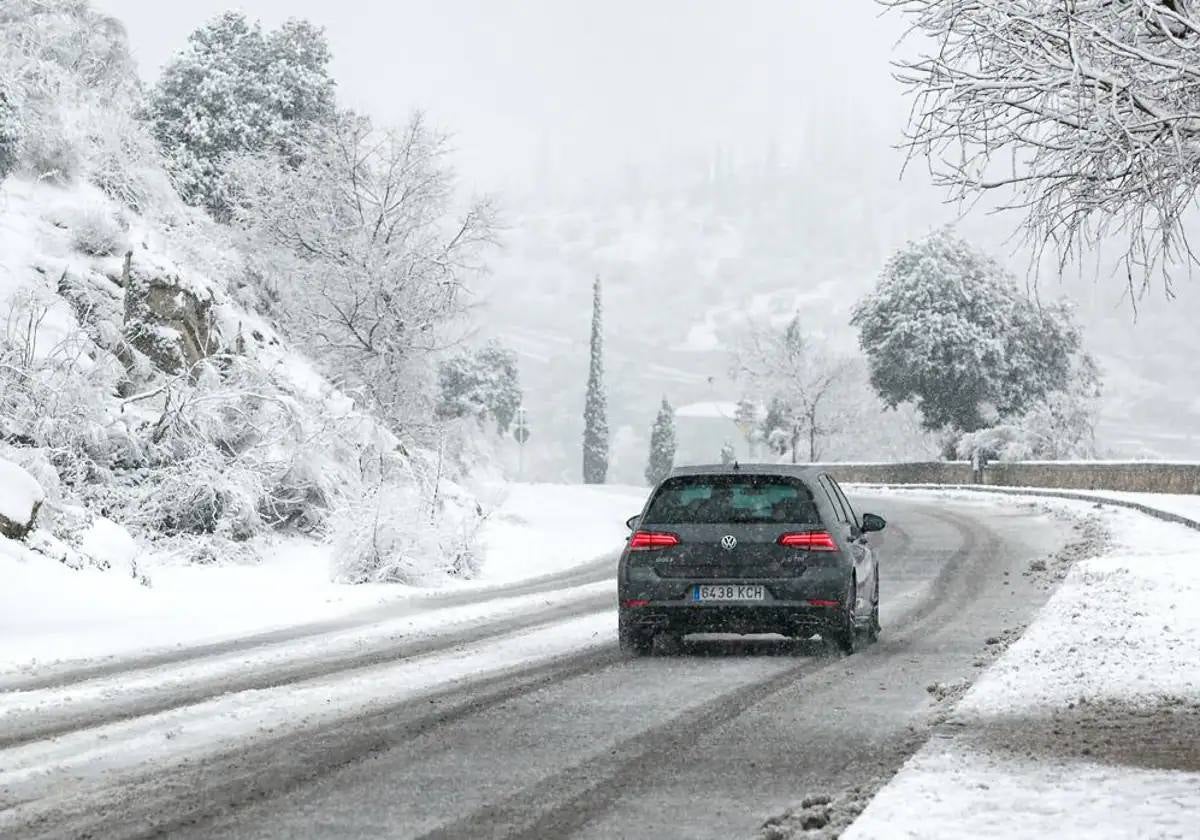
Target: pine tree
{"type": "Point", "coordinates": [662, 444]}
{"type": "Point", "coordinates": [595, 411]}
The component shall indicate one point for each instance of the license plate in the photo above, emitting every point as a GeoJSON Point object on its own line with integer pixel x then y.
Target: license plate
{"type": "Point", "coordinates": [728, 592]}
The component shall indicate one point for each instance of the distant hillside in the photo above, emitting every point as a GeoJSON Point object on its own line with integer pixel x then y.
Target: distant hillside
{"type": "Point", "coordinates": [683, 270]}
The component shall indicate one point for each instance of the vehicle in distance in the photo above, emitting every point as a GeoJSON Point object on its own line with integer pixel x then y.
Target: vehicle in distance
{"type": "Point", "coordinates": [748, 549]}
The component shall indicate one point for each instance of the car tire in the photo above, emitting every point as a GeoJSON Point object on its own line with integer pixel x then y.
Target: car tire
{"type": "Point", "coordinates": [632, 639]}
{"type": "Point", "coordinates": [874, 627]}
{"type": "Point", "coordinates": [845, 634]}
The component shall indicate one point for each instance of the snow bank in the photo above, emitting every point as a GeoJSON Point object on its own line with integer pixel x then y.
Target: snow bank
{"type": "Point", "coordinates": [20, 498]}
{"type": "Point", "coordinates": [1088, 725]}
{"type": "Point", "coordinates": [49, 612]}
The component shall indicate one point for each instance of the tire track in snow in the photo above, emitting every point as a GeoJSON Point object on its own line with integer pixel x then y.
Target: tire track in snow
{"type": "Point", "coordinates": [66, 674]}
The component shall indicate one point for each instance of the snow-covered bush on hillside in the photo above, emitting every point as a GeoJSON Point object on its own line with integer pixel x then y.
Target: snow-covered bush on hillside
{"type": "Point", "coordinates": [95, 230]}
{"type": "Point", "coordinates": [401, 532]}
{"type": "Point", "coordinates": [124, 162]}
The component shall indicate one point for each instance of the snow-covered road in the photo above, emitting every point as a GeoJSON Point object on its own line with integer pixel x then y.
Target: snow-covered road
{"type": "Point", "coordinates": [1089, 725]}
{"type": "Point", "coordinates": [515, 716]}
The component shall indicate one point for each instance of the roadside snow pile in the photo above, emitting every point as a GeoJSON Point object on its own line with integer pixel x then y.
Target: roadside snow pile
{"type": "Point", "coordinates": [1089, 725]}
{"type": "Point", "coordinates": [20, 498]}
{"type": "Point", "coordinates": [51, 612]}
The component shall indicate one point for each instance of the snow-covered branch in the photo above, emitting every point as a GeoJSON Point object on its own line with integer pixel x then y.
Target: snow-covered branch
{"type": "Point", "coordinates": [1087, 111]}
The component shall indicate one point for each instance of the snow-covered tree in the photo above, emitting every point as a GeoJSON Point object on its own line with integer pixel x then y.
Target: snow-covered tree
{"type": "Point", "coordinates": [367, 253]}
{"type": "Point", "coordinates": [595, 409]}
{"type": "Point", "coordinates": [484, 384]}
{"type": "Point", "coordinates": [237, 89]}
{"type": "Point", "coordinates": [662, 444]}
{"type": "Point", "coordinates": [948, 328]}
{"type": "Point", "coordinates": [798, 381]}
{"type": "Point", "coordinates": [1085, 110]}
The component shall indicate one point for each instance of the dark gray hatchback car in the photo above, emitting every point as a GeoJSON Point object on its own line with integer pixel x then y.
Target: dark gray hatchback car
{"type": "Point", "coordinates": [748, 548]}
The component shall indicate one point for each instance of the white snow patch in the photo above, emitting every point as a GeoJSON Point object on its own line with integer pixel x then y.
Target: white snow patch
{"type": "Point", "coordinates": [545, 528]}
{"type": "Point", "coordinates": [1121, 636]}
{"type": "Point", "coordinates": [109, 544]}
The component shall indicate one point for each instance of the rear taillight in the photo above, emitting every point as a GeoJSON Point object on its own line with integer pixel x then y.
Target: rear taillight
{"type": "Point", "coordinates": [809, 541]}
{"type": "Point", "coordinates": [650, 540]}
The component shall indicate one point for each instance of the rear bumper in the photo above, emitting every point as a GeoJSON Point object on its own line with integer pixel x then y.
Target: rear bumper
{"type": "Point", "coordinates": [788, 619]}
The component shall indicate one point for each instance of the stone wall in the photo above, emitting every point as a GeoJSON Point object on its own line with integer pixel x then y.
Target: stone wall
{"type": "Point", "coordinates": [1132, 476]}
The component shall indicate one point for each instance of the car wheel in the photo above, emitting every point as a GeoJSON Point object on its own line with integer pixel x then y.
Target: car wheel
{"type": "Point", "coordinates": [632, 639]}
{"type": "Point", "coordinates": [874, 627]}
{"type": "Point", "coordinates": [845, 634]}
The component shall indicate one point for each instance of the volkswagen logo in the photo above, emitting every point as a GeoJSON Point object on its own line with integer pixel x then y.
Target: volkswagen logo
{"type": "Point", "coordinates": [729, 542]}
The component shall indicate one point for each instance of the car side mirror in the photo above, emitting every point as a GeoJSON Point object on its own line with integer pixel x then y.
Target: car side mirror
{"type": "Point", "coordinates": [872, 522]}
{"type": "Point", "coordinates": [632, 522]}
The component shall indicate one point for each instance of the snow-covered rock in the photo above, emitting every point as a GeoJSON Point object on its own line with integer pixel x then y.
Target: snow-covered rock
{"type": "Point", "coordinates": [20, 498]}
{"type": "Point", "coordinates": [166, 318]}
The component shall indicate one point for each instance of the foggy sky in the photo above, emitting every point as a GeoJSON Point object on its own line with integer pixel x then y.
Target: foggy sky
{"type": "Point", "coordinates": [588, 87]}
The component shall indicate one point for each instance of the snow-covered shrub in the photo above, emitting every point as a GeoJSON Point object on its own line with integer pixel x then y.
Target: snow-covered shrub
{"type": "Point", "coordinates": [50, 152]}
{"type": "Point", "coordinates": [405, 532]}
{"type": "Point", "coordinates": [55, 385]}
{"type": "Point", "coordinates": [95, 230]}
{"type": "Point", "coordinates": [1061, 426]}
{"type": "Point", "coordinates": [124, 162]}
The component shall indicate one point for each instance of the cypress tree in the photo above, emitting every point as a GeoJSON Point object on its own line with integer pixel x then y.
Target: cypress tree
{"type": "Point", "coordinates": [662, 444]}
{"type": "Point", "coordinates": [595, 410]}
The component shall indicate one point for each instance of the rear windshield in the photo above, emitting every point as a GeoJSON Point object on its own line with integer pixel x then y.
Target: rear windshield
{"type": "Point", "coordinates": [733, 498]}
